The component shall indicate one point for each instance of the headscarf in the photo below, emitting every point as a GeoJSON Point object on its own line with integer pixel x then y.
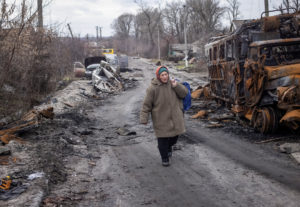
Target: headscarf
{"type": "Point", "coordinates": [159, 70]}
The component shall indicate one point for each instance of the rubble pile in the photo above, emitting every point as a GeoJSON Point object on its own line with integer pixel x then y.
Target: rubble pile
{"type": "Point", "coordinates": [106, 78]}
{"type": "Point", "coordinates": [28, 121]}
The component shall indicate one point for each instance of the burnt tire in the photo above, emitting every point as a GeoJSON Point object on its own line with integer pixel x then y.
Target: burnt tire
{"type": "Point", "coordinates": [265, 120]}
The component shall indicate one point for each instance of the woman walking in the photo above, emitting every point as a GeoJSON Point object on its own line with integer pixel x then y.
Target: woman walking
{"type": "Point", "coordinates": [164, 101]}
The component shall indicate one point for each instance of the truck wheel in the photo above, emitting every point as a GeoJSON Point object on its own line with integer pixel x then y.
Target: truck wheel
{"type": "Point", "coordinates": [262, 120]}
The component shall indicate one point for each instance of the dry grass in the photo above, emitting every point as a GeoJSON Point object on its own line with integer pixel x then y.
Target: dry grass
{"type": "Point", "coordinates": [32, 61]}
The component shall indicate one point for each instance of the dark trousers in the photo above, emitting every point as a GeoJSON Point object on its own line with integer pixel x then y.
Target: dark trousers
{"type": "Point", "coordinates": [165, 146]}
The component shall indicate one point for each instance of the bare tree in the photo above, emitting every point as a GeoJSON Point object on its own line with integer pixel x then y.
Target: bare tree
{"type": "Point", "coordinates": [31, 60]}
{"type": "Point", "coordinates": [123, 25]}
{"type": "Point", "coordinates": [233, 9]}
{"type": "Point", "coordinates": [288, 6]}
{"type": "Point", "coordinates": [149, 18]}
{"type": "Point", "coordinates": [204, 17]}
{"type": "Point", "coordinates": [174, 16]}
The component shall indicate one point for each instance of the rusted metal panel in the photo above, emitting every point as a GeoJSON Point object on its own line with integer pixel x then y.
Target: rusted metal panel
{"type": "Point", "coordinates": [275, 72]}
{"type": "Point", "coordinates": [292, 118]}
{"type": "Point", "coordinates": [274, 42]}
{"type": "Point", "coordinates": [256, 70]}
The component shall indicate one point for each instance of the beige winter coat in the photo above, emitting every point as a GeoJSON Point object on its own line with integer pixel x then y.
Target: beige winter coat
{"type": "Point", "coordinates": [166, 107]}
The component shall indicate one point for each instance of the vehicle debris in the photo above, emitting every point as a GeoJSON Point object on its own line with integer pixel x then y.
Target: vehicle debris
{"type": "Point", "coordinates": [29, 120]}
{"type": "Point", "coordinates": [289, 148]}
{"type": "Point", "coordinates": [79, 70]}
{"type": "Point", "coordinates": [106, 79]}
{"type": "Point", "coordinates": [296, 156]}
{"type": "Point", "coordinates": [125, 132]}
{"type": "Point", "coordinates": [4, 151]}
{"type": "Point", "coordinates": [270, 140]}
{"type": "Point", "coordinates": [256, 71]}
{"type": "Point", "coordinates": [197, 93]}
{"type": "Point", "coordinates": [5, 183]}
{"type": "Point", "coordinates": [16, 189]}
{"type": "Point", "coordinates": [36, 175]}
{"type": "Point", "coordinates": [200, 114]}
{"type": "Point", "coordinates": [214, 125]}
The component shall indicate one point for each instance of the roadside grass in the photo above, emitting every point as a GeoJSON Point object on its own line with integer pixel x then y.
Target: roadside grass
{"type": "Point", "coordinates": [181, 66]}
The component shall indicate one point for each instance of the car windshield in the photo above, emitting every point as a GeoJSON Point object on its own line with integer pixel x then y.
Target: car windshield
{"type": "Point", "coordinates": [92, 67]}
{"type": "Point", "coordinates": [281, 54]}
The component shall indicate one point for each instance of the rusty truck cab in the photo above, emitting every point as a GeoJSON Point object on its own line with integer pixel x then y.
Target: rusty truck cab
{"type": "Point", "coordinates": [277, 65]}
{"type": "Point", "coordinates": [255, 70]}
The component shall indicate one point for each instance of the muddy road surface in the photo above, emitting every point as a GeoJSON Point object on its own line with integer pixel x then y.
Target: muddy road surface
{"type": "Point", "coordinates": [98, 154]}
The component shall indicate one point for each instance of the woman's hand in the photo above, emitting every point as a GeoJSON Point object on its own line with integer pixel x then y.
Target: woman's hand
{"type": "Point", "coordinates": [173, 82]}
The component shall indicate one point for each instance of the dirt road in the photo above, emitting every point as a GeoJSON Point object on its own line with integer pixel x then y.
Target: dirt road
{"type": "Point", "coordinates": [88, 164]}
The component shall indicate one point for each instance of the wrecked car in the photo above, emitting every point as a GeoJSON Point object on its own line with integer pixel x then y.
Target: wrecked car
{"type": "Point", "coordinates": [91, 63]}
{"type": "Point", "coordinates": [79, 69]}
{"type": "Point", "coordinates": [106, 79]}
{"type": "Point", "coordinates": [255, 70]}
{"type": "Point", "coordinates": [90, 69]}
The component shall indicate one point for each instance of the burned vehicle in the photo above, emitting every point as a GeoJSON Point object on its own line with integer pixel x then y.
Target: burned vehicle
{"type": "Point", "coordinates": [256, 71]}
{"type": "Point", "coordinates": [91, 64]}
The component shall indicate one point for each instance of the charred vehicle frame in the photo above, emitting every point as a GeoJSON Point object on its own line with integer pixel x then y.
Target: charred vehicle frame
{"type": "Point", "coordinates": [256, 71]}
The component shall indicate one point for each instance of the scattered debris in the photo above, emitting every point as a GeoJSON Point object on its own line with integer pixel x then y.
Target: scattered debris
{"type": "Point", "coordinates": [290, 148]}
{"type": "Point", "coordinates": [222, 117]}
{"type": "Point", "coordinates": [296, 156]}
{"type": "Point", "coordinates": [197, 93]}
{"type": "Point", "coordinates": [79, 69]}
{"type": "Point", "coordinates": [177, 147]}
{"type": "Point", "coordinates": [67, 104]}
{"type": "Point", "coordinates": [4, 160]}
{"type": "Point", "coordinates": [200, 114]}
{"type": "Point", "coordinates": [192, 61]}
{"type": "Point", "coordinates": [214, 125]}
{"type": "Point", "coordinates": [158, 63]}
{"type": "Point", "coordinates": [29, 120]}
{"type": "Point", "coordinates": [36, 175]}
{"type": "Point", "coordinates": [269, 140]}
{"type": "Point", "coordinates": [5, 183]}
{"type": "Point", "coordinates": [4, 151]}
{"type": "Point", "coordinates": [125, 132]}
{"type": "Point", "coordinates": [16, 189]}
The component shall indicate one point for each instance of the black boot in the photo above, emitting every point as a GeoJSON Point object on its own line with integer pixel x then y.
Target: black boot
{"type": "Point", "coordinates": [165, 162]}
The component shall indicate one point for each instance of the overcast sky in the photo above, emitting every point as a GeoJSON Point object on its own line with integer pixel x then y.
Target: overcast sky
{"type": "Point", "coordinates": [85, 15]}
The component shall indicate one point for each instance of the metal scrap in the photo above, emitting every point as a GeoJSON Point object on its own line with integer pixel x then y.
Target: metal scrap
{"type": "Point", "coordinates": [200, 114]}
{"type": "Point", "coordinates": [29, 120]}
{"type": "Point", "coordinates": [106, 78]}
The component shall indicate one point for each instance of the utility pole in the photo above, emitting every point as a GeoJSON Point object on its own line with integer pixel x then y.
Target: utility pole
{"type": "Point", "coordinates": [158, 42]}
{"type": "Point", "coordinates": [70, 29]}
{"type": "Point", "coordinates": [185, 39]}
{"type": "Point", "coordinates": [100, 32]}
{"type": "Point", "coordinates": [97, 32]}
{"type": "Point", "coordinates": [40, 13]}
{"type": "Point", "coordinates": [267, 7]}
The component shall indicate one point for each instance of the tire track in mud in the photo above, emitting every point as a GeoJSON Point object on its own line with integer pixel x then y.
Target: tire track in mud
{"type": "Point", "coordinates": [267, 162]}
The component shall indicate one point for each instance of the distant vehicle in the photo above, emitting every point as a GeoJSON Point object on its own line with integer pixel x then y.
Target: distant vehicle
{"type": "Point", "coordinates": [79, 69]}
{"type": "Point", "coordinates": [92, 60]}
{"type": "Point", "coordinates": [256, 71]}
{"type": "Point", "coordinates": [90, 69]}
{"type": "Point", "coordinates": [107, 51]}
{"type": "Point", "coordinates": [123, 62]}
{"type": "Point", "coordinates": [112, 59]}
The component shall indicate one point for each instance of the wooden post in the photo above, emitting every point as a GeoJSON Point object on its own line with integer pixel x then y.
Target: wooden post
{"type": "Point", "coordinates": [40, 13]}
{"type": "Point", "coordinates": [267, 7]}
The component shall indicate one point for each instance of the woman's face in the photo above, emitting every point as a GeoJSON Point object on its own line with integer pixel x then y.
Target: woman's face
{"type": "Point", "coordinates": [164, 77]}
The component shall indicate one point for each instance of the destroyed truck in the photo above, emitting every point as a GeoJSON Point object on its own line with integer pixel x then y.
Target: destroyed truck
{"type": "Point", "coordinates": [255, 71]}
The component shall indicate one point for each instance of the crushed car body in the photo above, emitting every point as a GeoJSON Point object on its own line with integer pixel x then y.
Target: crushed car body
{"type": "Point", "coordinates": [106, 78]}
{"type": "Point", "coordinates": [256, 71]}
